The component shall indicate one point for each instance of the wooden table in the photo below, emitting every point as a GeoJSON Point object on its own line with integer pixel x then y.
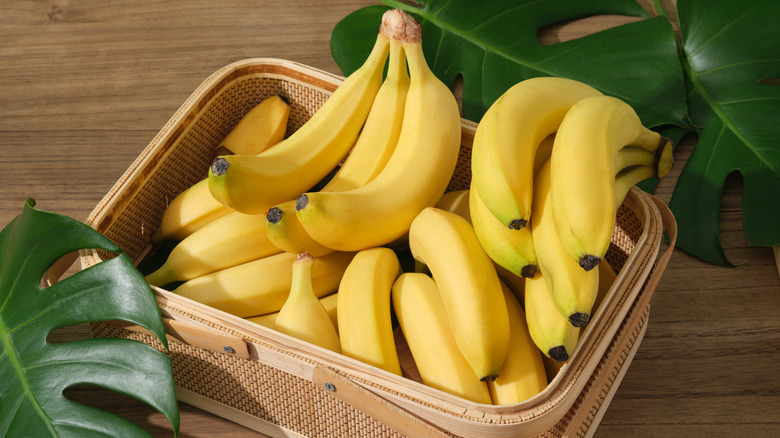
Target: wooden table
{"type": "Point", "coordinates": [84, 87]}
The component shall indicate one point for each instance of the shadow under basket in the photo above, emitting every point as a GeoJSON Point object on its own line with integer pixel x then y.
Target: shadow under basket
{"type": "Point", "coordinates": [281, 386]}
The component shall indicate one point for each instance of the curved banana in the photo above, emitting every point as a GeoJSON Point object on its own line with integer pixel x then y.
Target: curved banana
{"type": "Point", "coordinates": [507, 138]}
{"type": "Point", "coordinates": [549, 329]}
{"type": "Point", "coordinates": [253, 183]}
{"type": "Point", "coordinates": [572, 288]}
{"type": "Point", "coordinates": [262, 286]}
{"type": "Point", "coordinates": [416, 175]}
{"type": "Point", "coordinates": [456, 201]}
{"type": "Point", "coordinates": [261, 128]}
{"type": "Point", "coordinates": [511, 248]}
{"type": "Point", "coordinates": [285, 231]}
{"type": "Point", "coordinates": [426, 328]}
{"type": "Point", "coordinates": [583, 172]}
{"type": "Point", "coordinates": [267, 120]}
{"type": "Point", "coordinates": [469, 285]}
{"type": "Point", "coordinates": [328, 302]}
{"type": "Point", "coordinates": [523, 374]}
{"type": "Point", "coordinates": [302, 316]}
{"type": "Point", "coordinates": [228, 241]}
{"type": "Point", "coordinates": [364, 315]}
{"type": "Point", "coordinates": [368, 157]}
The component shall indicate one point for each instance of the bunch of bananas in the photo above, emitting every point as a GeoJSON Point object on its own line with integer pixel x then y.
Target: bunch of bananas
{"type": "Point", "coordinates": [307, 234]}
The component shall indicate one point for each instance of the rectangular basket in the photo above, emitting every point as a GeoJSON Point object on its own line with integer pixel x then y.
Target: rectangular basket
{"type": "Point", "coordinates": [281, 386]}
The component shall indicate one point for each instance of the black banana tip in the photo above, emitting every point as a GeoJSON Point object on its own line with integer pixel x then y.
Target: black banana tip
{"type": "Point", "coordinates": [219, 166]}
{"type": "Point", "coordinates": [517, 224]}
{"type": "Point", "coordinates": [274, 215]}
{"type": "Point", "coordinates": [301, 202]}
{"type": "Point", "coordinates": [558, 354]}
{"type": "Point", "coordinates": [579, 319]}
{"type": "Point", "coordinates": [588, 262]}
{"type": "Point", "coordinates": [529, 271]}
{"type": "Point", "coordinates": [489, 378]}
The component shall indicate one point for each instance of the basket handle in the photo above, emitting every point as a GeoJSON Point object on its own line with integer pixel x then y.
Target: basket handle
{"type": "Point", "coordinates": [373, 405]}
{"type": "Point", "coordinates": [613, 362]}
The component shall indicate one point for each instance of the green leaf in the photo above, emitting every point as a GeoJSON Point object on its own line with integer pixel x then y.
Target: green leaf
{"type": "Point", "coordinates": [494, 44]}
{"type": "Point", "coordinates": [732, 49]}
{"type": "Point", "coordinates": [34, 372]}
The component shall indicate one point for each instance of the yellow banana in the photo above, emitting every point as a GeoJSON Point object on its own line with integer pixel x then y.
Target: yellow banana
{"type": "Point", "coordinates": [253, 183]}
{"type": "Point", "coordinates": [267, 120]}
{"type": "Point", "coordinates": [549, 329]}
{"type": "Point", "coordinates": [328, 302]}
{"type": "Point", "coordinates": [262, 286]}
{"type": "Point", "coordinates": [507, 138]}
{"type": "Point", "coordinates": [302, 316]}
{"type": "Point", "coordinates": [228, 241]}
{"type": "Point", "coordinates": [416, 175]}
{"type": "Point", "coordinates": [364, 316]}
{"type": "Point", "coordinates": [523, 374]}
{"type": "Point", "coordinates": [368, 157]}
{"type": "Point", "coordinates": [469, 285]}
{"type": "Point", "coordinates": [572, 288]}
{"type": "Point", "coordinates": [456, 201]}
{"type": "Point", "coordinates": [583, 172]}
{"type": "Point", "coordinates": [261, 128]}
{"type": "Point", "coordinates": [425, 325]}
{"type": "Point", "coordinates": [509, 247]}
{"type": "Point", "coordinates": [285, 231]}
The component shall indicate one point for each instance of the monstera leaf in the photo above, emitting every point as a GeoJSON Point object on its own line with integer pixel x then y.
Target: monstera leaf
{"type": "Point", "coordinates": [721, 81]}
{"type": "Point", "coordinates": [732, 60]}
{"type": "Point", "coordinates": [493, 45]}
{"type": "Point", "coordinates": [34, 372]}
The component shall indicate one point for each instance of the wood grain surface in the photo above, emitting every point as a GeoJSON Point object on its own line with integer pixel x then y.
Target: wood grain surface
{"type": "Point", "coordinates": [85, 86]}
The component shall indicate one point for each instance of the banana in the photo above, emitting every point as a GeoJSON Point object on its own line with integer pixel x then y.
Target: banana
{"type": "Point", "coordinates": [328, 302]}
{"type": "Point", "coordinates": [583, 172]}
{"type": "Point", "coordinates": [416, 175]}
{"type": "Point", "coordinates": [456, 201]}
{"type": "Point", "coordinates": [572, 288]}
{"type": "Point", "coordinates": [302, 316]}
{"type": "Point", "coordinates": [267, 120]}
{"type": "Point", "coordinates": [262, 286]}
{"type": "Point", "coordinates": [189, 211]}
{"type": "Point", "coordinates": [261, 128]}
{"type": "Point", "coordinates": [549, 329]}
{"type": "Point", "coordinates": [254, 183]}
{"type": "Point", "coordinates": [523, 374]}
{"type": "Point", "coordinates": [364, 315]}
{"type": "Point", "coordinates": [511, 248]}
{"type": "Point", "coordinates": [507, 138]}
{"type": "Point", "coordinates": [426, 328]}
{"type": "Point", "coordinates": [368, 157]}
{"type": "Point", "coordinates": [470, 288]}
{"type": "Point", "coordinates": [285, 231]}
{"type": "Point", "coordinates": [228, 241]}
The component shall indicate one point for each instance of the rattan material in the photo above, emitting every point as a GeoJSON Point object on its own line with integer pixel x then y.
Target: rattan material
{"type": "Point", "coordinates": [267, 387]}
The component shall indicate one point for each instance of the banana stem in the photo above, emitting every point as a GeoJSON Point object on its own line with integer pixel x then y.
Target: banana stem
{"type": "Point", "coordinates": [399, 25]}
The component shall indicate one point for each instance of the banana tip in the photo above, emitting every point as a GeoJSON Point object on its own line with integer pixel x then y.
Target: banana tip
{"type": "Point", "coordinates": [529, 270]}
{"type": "Point", "coordinates": [489, 378]}
{"type": "Point", "coordinates": [558, 354]}
{"type": "Point", "coordinates": [579, 319]}
{"type": "Point", "coordinates": [517, 224]}
{"type": "Point", "coordinates": [274, 215]}
{"type": "Point", "coordinates": [301, 202]}
{"type": "Point", "coordinates": [588, 261]}
{"type": "Point", "coordinates": [219, 166]}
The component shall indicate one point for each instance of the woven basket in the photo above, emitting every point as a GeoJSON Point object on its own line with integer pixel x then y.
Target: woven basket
{"type": "Point", "coordinates": [281, 386]}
